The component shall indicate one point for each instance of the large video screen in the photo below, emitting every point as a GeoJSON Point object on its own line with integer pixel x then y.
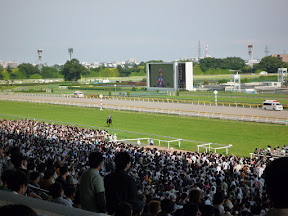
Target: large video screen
{"type": "Point", "coordinates": [161, 75]}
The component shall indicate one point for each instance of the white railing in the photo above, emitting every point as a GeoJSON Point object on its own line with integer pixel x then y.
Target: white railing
{"type": "Point", "coordinates": [138, 141]}
{"type": "Point", "coordinates": [209, 147]}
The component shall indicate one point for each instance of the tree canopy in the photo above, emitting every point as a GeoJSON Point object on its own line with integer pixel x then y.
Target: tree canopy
{"type": "Point", "coordinates": [72, 70]}
{"type": "Point", "coordinates": [233, 63]}
{"type": "Point", "coordinates": [27, 69]}
{"type": "Point", "coordinates": [271, 64]}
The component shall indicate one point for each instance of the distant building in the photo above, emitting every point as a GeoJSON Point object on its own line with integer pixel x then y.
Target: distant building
{"type": "Point", "coordinates": [283, 57]}
{"type": "Point", "coordinates": [193, 59]}
{"type": "Point", "coordinates": [10, 64]}
{"type": "Point", "coordinates": [132, 61]}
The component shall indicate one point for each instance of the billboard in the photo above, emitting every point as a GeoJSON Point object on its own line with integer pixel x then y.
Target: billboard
{"type": "Point", "coordinates": [161, 75]}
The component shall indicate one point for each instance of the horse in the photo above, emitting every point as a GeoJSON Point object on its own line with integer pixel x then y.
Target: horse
{"type": "Point", "coordinates": [109, 121]}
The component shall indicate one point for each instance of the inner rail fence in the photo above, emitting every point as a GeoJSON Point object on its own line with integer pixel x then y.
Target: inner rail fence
{"type": "Point", "coordinates": [130, 137]}
{"type": "Point", "coordinates": [214, 115]}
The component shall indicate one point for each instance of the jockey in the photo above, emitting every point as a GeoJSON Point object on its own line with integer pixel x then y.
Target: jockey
{"type": "Point", "coordinates": [109, 117]}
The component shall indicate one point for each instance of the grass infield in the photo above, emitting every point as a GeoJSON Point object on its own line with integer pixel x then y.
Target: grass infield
{"type": "Point", "coordinates": [244, 136]}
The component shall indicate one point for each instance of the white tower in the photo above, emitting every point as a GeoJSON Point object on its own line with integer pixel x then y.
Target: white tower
{"type": "Point", "coordinates": [235, 78]}
{"type": "Point", "coordinates": [40, 51]}
{"type": "Point", "coordinates": [206, 52]}
{"type": "Point", "coordinates": [70, 51]}
{"type": "Point", "coordinates": [282, 75]}
{"type": "Point", "coordinates": [250, 52]}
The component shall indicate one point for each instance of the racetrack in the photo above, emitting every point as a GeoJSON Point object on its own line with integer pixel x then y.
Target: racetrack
{"type": "Point", "coordinates": [212, 111]}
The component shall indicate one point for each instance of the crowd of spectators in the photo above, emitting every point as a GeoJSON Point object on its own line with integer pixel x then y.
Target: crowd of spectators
{"type": "Point", "coordinates": [50, 159]}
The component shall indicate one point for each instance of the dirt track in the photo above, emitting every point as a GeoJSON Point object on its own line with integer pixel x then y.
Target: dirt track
{"type": "Point", "coordinates": [161, 105]}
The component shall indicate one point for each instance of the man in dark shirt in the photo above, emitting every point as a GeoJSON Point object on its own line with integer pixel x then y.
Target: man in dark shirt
{"type": "Point", "coordinates": [119, 186]}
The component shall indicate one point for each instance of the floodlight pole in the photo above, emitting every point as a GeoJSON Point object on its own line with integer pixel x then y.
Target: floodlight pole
{"type": "Point", "coordinates": [70, 51]}
{"type": "Point", "coordinates": [40, 51]}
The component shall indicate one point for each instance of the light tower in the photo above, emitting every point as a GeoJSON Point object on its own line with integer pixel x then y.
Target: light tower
{"type": "Point", "coordinates": [250, 52]}
{"type": "Point", "coordinates": [40, 51]}
{"type": "Point", "coordinates": [70, 51]}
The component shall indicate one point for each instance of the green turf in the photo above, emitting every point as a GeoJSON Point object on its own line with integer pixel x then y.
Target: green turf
{"type": "Point", "coordinates": [244, 136]}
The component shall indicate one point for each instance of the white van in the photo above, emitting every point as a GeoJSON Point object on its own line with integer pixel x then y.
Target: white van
{"type": "Point", "coordinates": [78, 94]}
{"type": "Point", "coordinates": [272, 105]}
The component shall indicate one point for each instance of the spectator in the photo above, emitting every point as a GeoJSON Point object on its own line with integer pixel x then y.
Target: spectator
{"type": "Point", "coordinates": [4, 178]}
{"type": "Point", "coordinates": [123, 209]}
{"type": "Point", "coordinates": [3, 161]}
{"type": "Point", "coordinates": [70, 193]}
{"type": "Point", "coordinates": [166, 207]}
{"type": "Point", "coordinates": [218, 201]}
{"type": "Point", "coordinates": [57, 193]}
{"type": "Point", "coordinates": [17, 182]}
{"type": "Point", "coordinates": [276, 178]}
{"type": "Point", "coordinates": [92, 191]}
{"type": "Point", "coordinates": [119, 185]}
{"type": "Point", "coordinates": [62, 177]}
{"type": "Point", "coordinates": [47, 180]}
{"type": "Point", "coordinates": [155, 207]}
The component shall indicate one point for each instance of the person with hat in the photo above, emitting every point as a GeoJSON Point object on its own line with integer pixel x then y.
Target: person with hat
{"type": "Point", "coordinates": [160, 80]}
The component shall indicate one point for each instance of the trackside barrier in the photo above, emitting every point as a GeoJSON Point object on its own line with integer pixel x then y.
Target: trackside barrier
{"type": "Point", "coordinates": [208, 147]}
{"type": "Point", "coordinates": [138, 141]}
{"type": "Point", "coordinates": [167, 100]}
{"type": "Point", "coordinates": [261, 119]}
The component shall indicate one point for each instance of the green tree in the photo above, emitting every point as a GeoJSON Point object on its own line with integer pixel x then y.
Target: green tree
{"type": "Point", "coordinates": [109, 72]}
{"type": "Point", "coordinates": [234, 63]}
{"type": "Point", "coordinates": [36, 76]}
{"type": "Point", "coordinates": [72, 70]}
{"type": "Point", "coordinates": [9, 70]}
{"type": "Point", "coordinates": [28, 69]}
{"type": "Point", "coordinates": [18, 74]}
{"type": "Point", "coordinates": [1, 73]}
{"type": "Point", "coordinates": [49, 72]}
{"type": "Point", "coordinates": [271, 64]}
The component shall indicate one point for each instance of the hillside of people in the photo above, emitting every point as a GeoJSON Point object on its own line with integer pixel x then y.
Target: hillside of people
{"type": "Point", "coordinates": [83, 168]}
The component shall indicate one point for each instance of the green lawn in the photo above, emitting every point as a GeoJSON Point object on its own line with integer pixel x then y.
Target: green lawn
{"type": "Point", "coordinates": [244, 136]}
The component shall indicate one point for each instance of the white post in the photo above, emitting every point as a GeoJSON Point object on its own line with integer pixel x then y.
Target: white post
{"type": "Point", "coordinates": [216, 92]}
{"type": "Point", "coordinates": [101, 96]}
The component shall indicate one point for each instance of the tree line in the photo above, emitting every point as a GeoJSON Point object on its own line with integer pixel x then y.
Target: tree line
{"type": "Point", "coordinates": [73, 70]}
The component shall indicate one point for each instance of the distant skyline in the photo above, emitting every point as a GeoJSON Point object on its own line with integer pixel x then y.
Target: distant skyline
{"type": "Point", "coordinates": [106, 31]}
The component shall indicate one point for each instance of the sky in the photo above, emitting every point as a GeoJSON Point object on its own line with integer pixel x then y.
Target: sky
{"type": "Point", "coordinates": [113, 30]}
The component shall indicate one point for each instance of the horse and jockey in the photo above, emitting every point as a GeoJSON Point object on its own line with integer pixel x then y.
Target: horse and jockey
{"type": "Point", "coordinates": [109, 120]}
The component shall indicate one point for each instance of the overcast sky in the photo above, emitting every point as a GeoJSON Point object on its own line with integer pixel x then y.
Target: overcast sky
{"type": "Point", "coordinates": [116, 30]}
